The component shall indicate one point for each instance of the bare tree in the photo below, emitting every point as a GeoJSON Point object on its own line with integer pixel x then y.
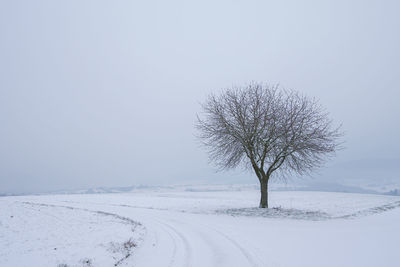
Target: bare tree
{"type": "Point", "coordinates": [267, 129]}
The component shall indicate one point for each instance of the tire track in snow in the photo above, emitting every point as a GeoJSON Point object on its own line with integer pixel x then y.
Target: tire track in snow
{"type": "Point", "coordinates": [209, 241]}
{"type": "Point", "coordinates": [219, 253]}
{"type": "Point", "coordinates": [174, 250]}
{"type": "Point", "coordinates": [187, 249]}
{"type": "Point", "coordinates": [250, 259]}
{"type": "Point", "coordinates": [244, 252]}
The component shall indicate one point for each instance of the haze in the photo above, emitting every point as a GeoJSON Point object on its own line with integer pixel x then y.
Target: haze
{"type": "Point", "coordinates": [105, 93]}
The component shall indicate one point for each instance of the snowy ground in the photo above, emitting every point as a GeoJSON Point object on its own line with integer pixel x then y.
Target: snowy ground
{"type": "Point", "coordinates": [198, 228]}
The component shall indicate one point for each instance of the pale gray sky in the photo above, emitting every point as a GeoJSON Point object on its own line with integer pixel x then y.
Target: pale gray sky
{"type": "Point", "coordinates": [104, 93]}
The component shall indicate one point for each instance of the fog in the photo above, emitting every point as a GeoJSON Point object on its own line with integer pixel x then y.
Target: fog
{"type": "Point", "coordinates": [105, 93]}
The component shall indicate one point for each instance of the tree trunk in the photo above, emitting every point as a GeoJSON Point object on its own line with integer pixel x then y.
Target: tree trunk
{"type": "Point", "coordinates": [264, 193]}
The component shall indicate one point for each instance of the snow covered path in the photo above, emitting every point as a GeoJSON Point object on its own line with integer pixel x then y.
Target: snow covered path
{"type": "Point", "coordinates": [176, 240]}
{"type": "Point", "coordinates": [183, 230]}
{"type": "Point", "coordinates": [189, 241]}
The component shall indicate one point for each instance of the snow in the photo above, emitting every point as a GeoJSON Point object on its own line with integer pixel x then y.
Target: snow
{"type": "Point", "coordinates": [43, 235]}
{"type": "Point", "coordinates": [200, 227]}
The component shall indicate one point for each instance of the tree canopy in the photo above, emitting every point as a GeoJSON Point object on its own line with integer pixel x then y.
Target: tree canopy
{"type": "Point", "coordinates": [267, 129]}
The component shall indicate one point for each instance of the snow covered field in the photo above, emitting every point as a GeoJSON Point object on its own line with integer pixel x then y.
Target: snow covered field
{"type": "Point", "coordinates": [195, 227]}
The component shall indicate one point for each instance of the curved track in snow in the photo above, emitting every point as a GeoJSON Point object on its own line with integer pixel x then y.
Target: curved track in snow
{"type": "Point", "coordinates": [185, 240]}
{"type": "Point", "coordinates": [178, 236]}
{"type": "Point", "coordinates": [176, 239]}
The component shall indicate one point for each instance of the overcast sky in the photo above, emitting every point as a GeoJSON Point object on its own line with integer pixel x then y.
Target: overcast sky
{"type": "Point", "coordinates": [105, 93]}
